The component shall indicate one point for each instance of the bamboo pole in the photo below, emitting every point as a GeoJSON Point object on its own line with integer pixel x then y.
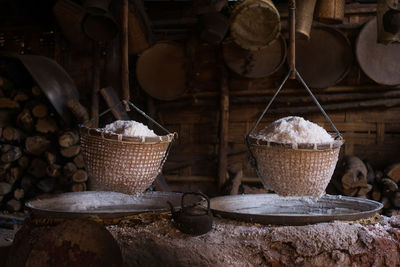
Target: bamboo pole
{"type": "Point", "coordinates": [292, 39]}
{"type": "Point", "coordinates": [125, 52]}
{"type": "Point", "coordinates": [224, 129]}
{"type": "Point", "coordinates": [94, 110]}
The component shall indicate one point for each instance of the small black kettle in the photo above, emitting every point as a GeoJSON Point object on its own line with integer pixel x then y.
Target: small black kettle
{"type": "Point", "coordinates": [194, 219]}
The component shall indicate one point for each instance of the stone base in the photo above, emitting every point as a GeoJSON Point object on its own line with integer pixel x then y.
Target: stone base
{"type": "Point", "coordinates": [232, 243]}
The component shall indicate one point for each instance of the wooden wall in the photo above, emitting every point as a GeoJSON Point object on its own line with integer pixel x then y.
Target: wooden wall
{"type": "Point", "coordinates": [372, 133]}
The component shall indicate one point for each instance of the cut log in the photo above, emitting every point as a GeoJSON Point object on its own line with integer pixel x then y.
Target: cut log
{"type": "Point", "coordinates": [3, 168]}
{"type": "Point", "coordinates": [8, 103]}
{"type": "Point", "coordinates": [393, 172]}
{"type": "Point", "coordinates": [19, 193]}
{"type": "Point", "coordinates": [25, 120]}
{"type": "Point", "coordinates": [379, 175]}
{"type": "Point", "coordinates": [50, 157]}
{"type": "Point", "coordinates": [68, 139]}
{"type": "Point", "coordinates": [53, 170]}
{"type": "Point", "coordinates": [11, 155]}
{"type": "Point", "coordinates": [36, 91]}
{"type": "Point", "coordinates": [46, 185]}
{"type": "Point", "coordinates": [385, 202]}
{"type": "Point", "coordinates": [80, 176]}
{"type": "Point", "coordinates": [38, 168]}
{"type": "Point", "coordinates": [354, 176]}
{"type": "Point", "coordinates": [26, 183]}
{"type": "Point", "coordinates": [78, 187]}
{"type": "Point", "coordinates": [46, 125]}
{"type": "Point", "coordinates": [14, 205]}
{"type": "Point", "coordinates": [395, 200]}
{"type": "Point", "coordinates": [363, 191]}
{"type": "Point", "coordinates": [5, 188]}
{"type": "Point", "coordinates": [65, 180]}
{"type": "Point", "coordinates": [69, 169]}
{"type": "Point", "coordinates": [79, 162]}
{"type": "Point", "coordinates": [376, 193]}
{"type": "Point", "coordinates": [23, 162]}
{"type": "Point", "coordinates": [70, 152]}
{"type": "Point", "coordinates": [12, 134]}
{"type": "Point", "coordinates": [388, 186]}
{"type": "Point", "coordinates": [37, 145]}
{"type": "Point", "coordinates": [80, 112]}
{"type": "Point", "coordinates": [21, 97]}
{"type": "Point", "coordinates": [14, 174]}
{"type": "Point", "coordinates": [370, 172]}
{"type": "Point", "coordinates": [6, 147]}
{"type": "Point", "coordinates": [40, 111]}
{"type": "Point", "coordinates": [6, 117]}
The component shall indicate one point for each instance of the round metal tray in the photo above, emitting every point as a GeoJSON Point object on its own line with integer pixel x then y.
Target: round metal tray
{"type": "Point", "coordinates": [274, 209]}
{"type": "Point", "coordinates": [101, 204]}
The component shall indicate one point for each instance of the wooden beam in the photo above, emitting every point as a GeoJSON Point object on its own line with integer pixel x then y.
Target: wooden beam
{"type": "Point", "coordinates": [224, 129]}
{"type": "Point", "coordinates": [125, 51]}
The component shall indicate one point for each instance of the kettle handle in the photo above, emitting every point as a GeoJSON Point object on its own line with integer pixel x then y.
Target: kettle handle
{"type": "Point", "coordinates": [195, 193]}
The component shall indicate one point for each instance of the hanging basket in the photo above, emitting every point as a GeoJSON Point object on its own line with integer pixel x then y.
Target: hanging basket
{"type": "Point", "coordinates": [123, 164]}
{"type": "Point", "coordinates": [295, 169]}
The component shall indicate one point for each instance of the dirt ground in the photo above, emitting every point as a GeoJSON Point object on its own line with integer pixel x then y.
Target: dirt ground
{"type": "Point", "coordinates": [232, 243]}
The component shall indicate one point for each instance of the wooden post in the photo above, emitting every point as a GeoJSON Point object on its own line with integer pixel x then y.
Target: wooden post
{"type": "Point", "coordinates": [125, 51]}
{"type": "Point", "coordinates": [94, 110]}
{"type": "Point", "coordinates": [224, 128]}
{"type": "Point", "coordinates": [292, 38]}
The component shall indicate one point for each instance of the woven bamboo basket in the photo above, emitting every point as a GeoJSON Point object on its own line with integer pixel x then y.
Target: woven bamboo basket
{"type": "Point", "coordinates": [254, 24]}
{"type": "Point", "coordinates": [122, 164]}
{"type": "Point", "coordinates": [295, 169]}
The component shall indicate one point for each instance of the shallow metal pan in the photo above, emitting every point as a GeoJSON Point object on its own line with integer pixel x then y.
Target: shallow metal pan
{"type": "Point", "coordinates": [274, 209]}
{"type": "Point", "coordinates": [101, 204]}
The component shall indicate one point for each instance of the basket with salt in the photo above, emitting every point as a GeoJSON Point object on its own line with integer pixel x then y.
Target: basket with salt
{"type": "Point", "coordinates": [125, 156]}
{"type": "Point", "coordinates": [292, 156]}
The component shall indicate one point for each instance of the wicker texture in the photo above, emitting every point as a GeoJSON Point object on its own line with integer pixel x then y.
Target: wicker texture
{"type": "Point", "coordinates": [250, 33]}
{"type": "Point", "coordinates": [295, 172]}
{"type": "Point", "coordinates": [121, 166]}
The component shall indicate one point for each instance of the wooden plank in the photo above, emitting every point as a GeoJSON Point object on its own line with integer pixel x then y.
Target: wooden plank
{"type": "Point", "coordinates": [187, 115]}
{"type": "Point", "coordinates": [223, 129]}
{"type": "Point", "coordinates": [244, 113]}
{"type": "Point", "coordinates": [392, 127]}
{"type": "Point", "coordinates": [111, 98]}
{"type": "Point", "coordinates": [380, 132]}
{"type": "Point", "coordinates": [171, 178]}
{"type": "Point", "coordinates": [375, 115]}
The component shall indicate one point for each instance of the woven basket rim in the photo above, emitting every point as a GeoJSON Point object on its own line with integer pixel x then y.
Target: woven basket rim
{"type": "Point", "coordinates": [127, 139]}
{"type": "Point", "coordinates": [299, 146]}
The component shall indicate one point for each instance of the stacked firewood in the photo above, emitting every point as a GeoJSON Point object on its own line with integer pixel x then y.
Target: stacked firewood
{"type": "Point", "coordinates": [356, 178]}
{"type": "Point", "coordinates": [38, 154]}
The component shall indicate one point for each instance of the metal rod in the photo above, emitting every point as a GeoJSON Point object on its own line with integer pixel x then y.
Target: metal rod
{"type": "Point", "coordinates": [269, 104]}
{"type": "Point", "coordinates": [292, 39]}
{"type": "Point", "coordinates": [318, 105]}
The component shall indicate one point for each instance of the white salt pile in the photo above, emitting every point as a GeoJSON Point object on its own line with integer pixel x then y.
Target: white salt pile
{"type": "Point", "coordinates": [128, 128]}
{"type": "Point", "coordinates": [294, 129]}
